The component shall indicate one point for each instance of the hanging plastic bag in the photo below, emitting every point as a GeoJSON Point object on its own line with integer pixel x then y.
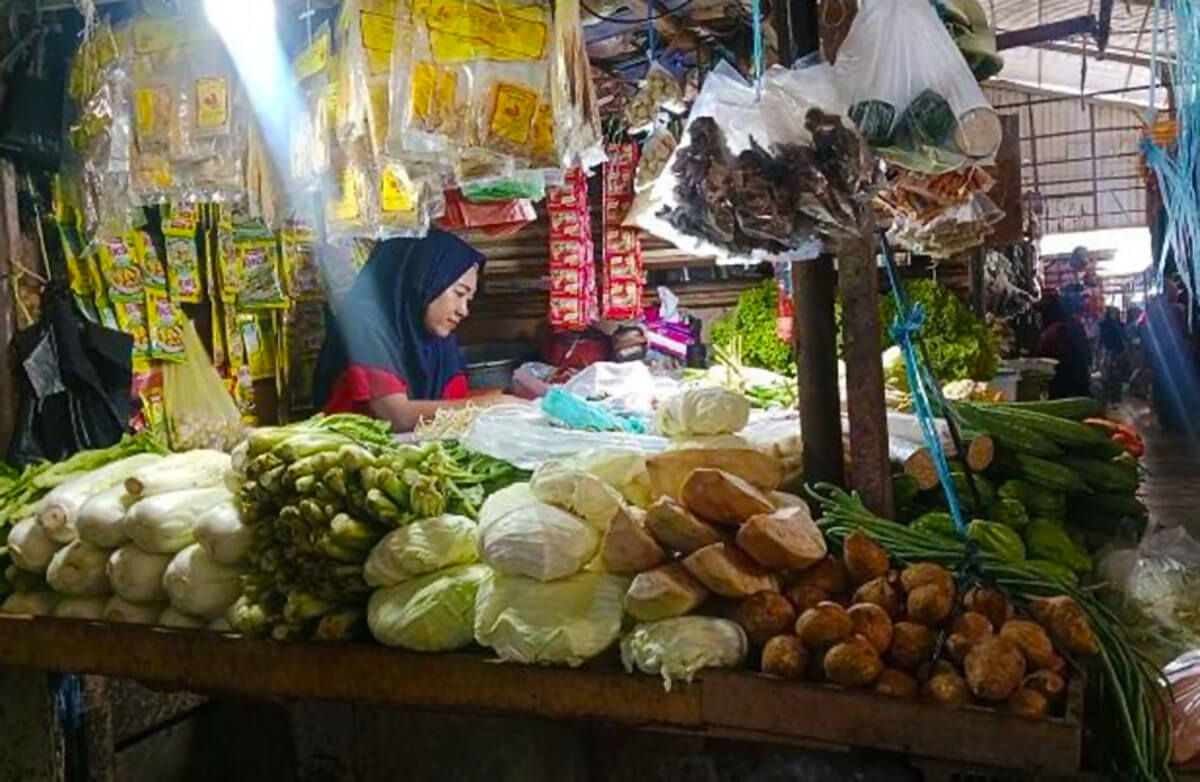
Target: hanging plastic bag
{"type": "Point", "coordinates": [200, 413]}
{"type": "Point", "coordinates": [911, 92]}
{"type": "Point", "coordinates": [1183, 678]}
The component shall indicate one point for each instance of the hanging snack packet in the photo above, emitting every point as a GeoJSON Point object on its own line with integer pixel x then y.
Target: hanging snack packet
{"type": "Point", "coordinates": [183, 261]}
{"type": "Point", "coordinates": [403, 205]}
{"type": "Point", "coordinates": [572, 264]}
{"type": "Point", "coordinates": [300, 267]}
{"type": "Point", "coordinates": [164, 323]}
{"type": "Point", "coordinates": [120, 269]}
{"type": "Point", "coordinates": [154, 276]}
{"type": "Point", "coordinates": [259, 343]}
{"type": "Point", "coordinates": [309, 142]}
{"type": "Point", "coordinates": [351, 209]}
{"type": "Point", "coordinates": [624, 277]}
{"type": "Point", "coordinates": [131, 318]}
{"type": "Point", "coordinates": [258, 261]}
{"type": "Point", "coordinates": [199, 411]}
{"type": "Point", "coordinates": [229, 274]}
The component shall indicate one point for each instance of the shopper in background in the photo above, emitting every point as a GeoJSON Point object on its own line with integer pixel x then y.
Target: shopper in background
{"type": "Point", "coordinates": [1114, 355]}
{"type": "Point", "coordinates": [1065, 340]}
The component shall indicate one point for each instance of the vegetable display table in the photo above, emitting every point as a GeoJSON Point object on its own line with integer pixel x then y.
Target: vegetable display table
{"type": "Point", "coordinates": [720, 704]}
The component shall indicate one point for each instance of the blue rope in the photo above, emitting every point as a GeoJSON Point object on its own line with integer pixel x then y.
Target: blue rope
{"type": "Point", "coordinates": [651, 33]}
{"type": "Point", "coordinates": [756, 12]}
{"type": "Point", "coordinates": [905, 331]}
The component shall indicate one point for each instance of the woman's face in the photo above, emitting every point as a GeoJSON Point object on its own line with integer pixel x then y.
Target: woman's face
{"type": "Point", "coordinates": [448, 310]}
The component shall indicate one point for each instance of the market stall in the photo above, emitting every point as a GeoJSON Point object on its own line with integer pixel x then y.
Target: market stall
{"type": "Point", "coordinates": [652, 542]}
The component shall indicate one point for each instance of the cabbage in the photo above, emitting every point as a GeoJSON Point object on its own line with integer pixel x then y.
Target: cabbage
{"type": "Point", "coordinates": [502, 502]}
{"type": "Point", "coordinates": [198, 586]}
{"type": "Point", "coordinates": [678, 648]}
{"type": "Point", "coordinates": [539, 541]}
{"type": "Point", "coordinates": [421, 547]}
{"type": "Point", "coordinates": [118, 609]}
{"type": "Point", "coordinates": [566, 621]}
{"type": "Point", "coordinates": [432, 613]}
{"type": "Point", "coordinates": [81, 608]}
{"type": "Point", "coordinates": [164, 523]}
{"type": "Point", "coordinates": [624, 469]}
{"type": "Point", "coordinates": [78, 570]}
{"type": "Point", "coordinates": [136, 575]}
{"type": "Point", "coordinates": [171, 617]}
{"type": "Point", "coordinates": [702, 411]}
{"type": "Point", "coordinates": [31, 548]}
{"type": "Point", "coordinates": [100, 520]}
{"type": "Point", "coordinates": [223, 535]}
{"type": "Point", "coordinates": [581, 493]}
{"type": "Point", "coordinates": [30, 603]}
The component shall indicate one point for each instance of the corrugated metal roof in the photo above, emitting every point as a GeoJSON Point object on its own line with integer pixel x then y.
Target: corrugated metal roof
{"type": "Point", "coordinates": [1083, 187]}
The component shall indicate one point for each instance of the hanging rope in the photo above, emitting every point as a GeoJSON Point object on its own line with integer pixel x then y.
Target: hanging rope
{"type": "Point", "coordinates": [757, 31]}
{"type": "Point", "coordinates": [651, 33]}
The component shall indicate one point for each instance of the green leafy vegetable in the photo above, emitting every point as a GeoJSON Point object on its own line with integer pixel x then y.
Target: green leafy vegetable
{"type": "Point", "coordinates": [753, 319]}
{"type": "Point", "coordinates": [960, 346]}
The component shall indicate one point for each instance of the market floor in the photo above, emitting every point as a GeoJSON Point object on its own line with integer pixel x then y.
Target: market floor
{"type": "Point", "coordinates": [1171, 486]}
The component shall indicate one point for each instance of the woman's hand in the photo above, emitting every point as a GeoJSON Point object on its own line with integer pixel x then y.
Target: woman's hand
{"type": "Point", "coordinates": [498, 398]}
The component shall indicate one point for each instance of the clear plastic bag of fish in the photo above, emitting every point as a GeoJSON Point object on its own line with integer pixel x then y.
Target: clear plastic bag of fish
{"type": "Point", "coordinates": [910, 91]}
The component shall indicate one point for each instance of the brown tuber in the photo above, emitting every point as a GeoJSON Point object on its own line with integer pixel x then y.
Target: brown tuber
{"type": "Point", "coordinates": [880, 592]}
{"type": "Point", "coordinates": [725, 570]}
{"type": "Point", "coordinates": [1067, 624]}
{"type": "Point", "coordinates": [785, 656]}
{"type": "Point", "coordinates": [991, 603]}
{"type": "Point", "coordinates": [1057, 665]}
{"type": "Point", "coordinates": [828, 575]}
{"type": "Point", "coordinates": [930, 604]}
{"type": "Point", "coordinates": [864, 558]}
{"type": "Point", "coordinates": [948, 689]}
{"type": "Point", "coordinates": [1032, 640]}
{"type": "Point", "coordinates": [995, 669]}
{"type": "Point", "coordinates": [872, 623]}
{"type": "Point", "coordinates": [784, 540]}
{"type": "Point", "coordinates": [765, 615]}
{"type": "Point", "coordinates": [924, 573]}
{"type": "Point", "coordinates": [969, 629]}
{"type": "Point", "coordinates": [723, 498]}
{"type": "Point", "coordinates": [824, 625]}
{"type": "Point", "coordinates": [805, 596]}
{"type": "Point", "coordinates": [676, 528]}
{"type": "Point", "coordinates": [1051, 685]}
{"type": "Point", "coordinates": [1027, 703]}
{"type": "Point", "coordinates": [897, 684]}
{"type": "Point", "coordinates": [912, 645]}
{"type": "Point", "coordinates": [853, 663]}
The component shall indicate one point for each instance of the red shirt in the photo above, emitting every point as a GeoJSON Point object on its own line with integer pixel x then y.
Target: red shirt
{"type": "Point", "coordinates": [360, 384]}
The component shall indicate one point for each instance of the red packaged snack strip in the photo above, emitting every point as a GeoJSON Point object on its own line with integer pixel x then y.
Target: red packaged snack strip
{"type": "Point", "coordinates": [572, 259]}
{"type": "Point", "coordinates": [623, 273]}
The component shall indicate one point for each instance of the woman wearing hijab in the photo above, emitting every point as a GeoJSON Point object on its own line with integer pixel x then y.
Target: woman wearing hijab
{"type": "Point", "coordinates": [391, 351]}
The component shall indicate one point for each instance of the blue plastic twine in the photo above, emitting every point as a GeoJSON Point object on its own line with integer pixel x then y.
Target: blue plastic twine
{"type": "Point", "coordinates": [756, 27]}
{"type": "Point", "coordinates": [651, 34]}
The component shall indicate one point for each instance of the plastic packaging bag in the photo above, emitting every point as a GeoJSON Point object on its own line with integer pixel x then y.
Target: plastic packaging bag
{"type": "Point", "coordinates": [910, 91]}
{"type": "Point", "coordinates": [200, 413]}
{"type": "Point", "coordinates": [1183, 678]}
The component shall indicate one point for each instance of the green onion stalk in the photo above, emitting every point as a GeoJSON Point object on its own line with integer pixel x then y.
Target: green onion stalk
{"type": "Point", "coordinates": [1131, 686]}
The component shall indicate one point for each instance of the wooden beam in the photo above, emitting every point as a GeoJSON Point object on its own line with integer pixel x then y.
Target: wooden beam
{"type": "Point", "coordinates": [815, 288]}
{"type": "Point", "coordinates": [858, 284]}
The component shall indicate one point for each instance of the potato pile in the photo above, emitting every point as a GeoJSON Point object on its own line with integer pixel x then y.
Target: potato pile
{"type": "Point", "coordinates": [858, 622]}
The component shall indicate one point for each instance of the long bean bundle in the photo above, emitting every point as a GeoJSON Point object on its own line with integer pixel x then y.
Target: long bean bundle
{"type": "Point", "coordinates": [1131, 686]}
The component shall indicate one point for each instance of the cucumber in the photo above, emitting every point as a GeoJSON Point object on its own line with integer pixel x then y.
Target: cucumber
{"type": "Point", "coordinates": [1075, 408]}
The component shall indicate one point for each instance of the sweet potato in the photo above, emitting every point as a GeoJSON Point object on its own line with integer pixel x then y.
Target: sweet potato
{"type": "Point", "coordinates": [1032, 640]}
{"type": "Point", "coordinates": [824, 625]}
{"type": "Point", "coordinates": [665, 592]}
{"type": "Point", "coordinates": [947, 689]}
{"type": "Point", "coordinates": [805, 596]}
{"type": "Point", "coordinates": [722, 497]}
{"type": "Point", "coordinates": [670, 469]}
{"type": "Point", "coordinates": [929, 604]}
{"type": "Point", "coordinates": [864, 558]}
{"type": "Point", "coordinates": [786, 539]}
{"type": "Point", "coordinates": [872, 622]}
{"type": "Point", "coordinates": [994, 668]}
{"type": "Point", "coordinates": [785, 656]}
{"type": "Point", "coordinates": [924, 573]}
{"type": "Point", "coordinates": [765, 615]}
{"type": "Point", "coordinates": [725, 570]}
{"type": "Point", "coordinates": [973, 625]}
{"type": "Point", "coordinates": [853, 663]}
{"type": "Point", "coordinates": [1056, 664]}
{"type": "Point", "coordinates": [627, 547]}
{"type": "Point", "coordinates": [1051, 685]}
{"type": "Point", "coordinates": [991, 603]}
{"type": "Point", "coordinates": [880, 592]}
{"type": "Point", "coordinates": [912, 644]}
{"type": "Point", "coordinates": [1066, 623]}
{"type": "Point", "coordinates": [828, 575]}
{"type": "Point", "coordinates": [897, 683]}
{"type": "Point", "coordinates": [1027, 703]}
{"type": "Point", "coordinates": [678, 529]}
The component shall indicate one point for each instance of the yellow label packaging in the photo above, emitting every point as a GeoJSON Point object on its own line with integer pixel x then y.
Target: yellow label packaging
{"type": "Point", "coordinates": [120, 270]}
{"type": "Point", "coordinates": [165, 323]}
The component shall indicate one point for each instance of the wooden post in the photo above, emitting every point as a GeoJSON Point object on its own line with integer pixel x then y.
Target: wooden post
{"type": "Point", "coordinates": [10, 247]}
{"type": "Point", "coordinates": [858, 282]}
{"type": "Point", "coordinates": [816, 359]}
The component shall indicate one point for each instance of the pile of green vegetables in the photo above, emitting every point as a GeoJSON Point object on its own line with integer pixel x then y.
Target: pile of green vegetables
{"type": "Point", "coordinates": [22, 489]}
{"type": "Point", "coordinates": [1132, 698]}
{"type": "Point", "coordinates": [1058, 489]}
{"type": "Point", "coordinates": [749, 331]}
{"type": "Point", "coordinates": [318, 496]}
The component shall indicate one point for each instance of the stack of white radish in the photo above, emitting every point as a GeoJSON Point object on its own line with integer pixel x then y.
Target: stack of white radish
{"type": "Point", "coordinates": [121, 543]}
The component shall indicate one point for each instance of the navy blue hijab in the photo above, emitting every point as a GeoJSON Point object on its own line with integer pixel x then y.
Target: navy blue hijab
{"type": "Point", "coordinates": [381, 322]}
